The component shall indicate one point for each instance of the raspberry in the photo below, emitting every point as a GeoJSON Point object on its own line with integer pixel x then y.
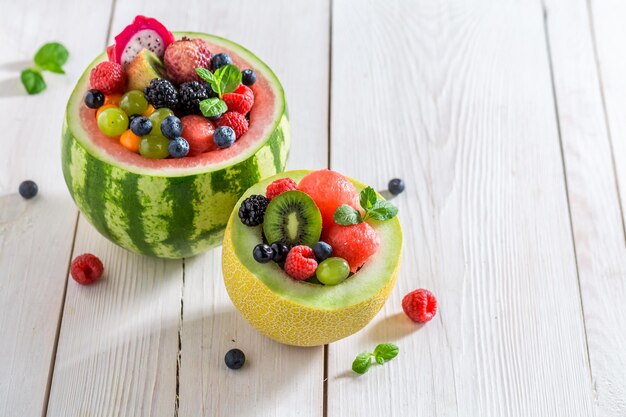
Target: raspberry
{"type": "Point", "coordinates": [198, 131]}
{"type": "Point", "coordinates": [420, 305]}
{"type": "Point", "coordinates": [86, 269]}
{"type": "Point", "coordinates": [239, 103]}
{"type": "Point", "coordinates": [300, 263]}
{"type": "Point", "coordinates": [235, 121]}
{"type": "Point", "coordinates": [280, 186]}
{"type": "Point", "coordinates": [108, 77]}
{"type": "Point", "coordinates": [354, 243]}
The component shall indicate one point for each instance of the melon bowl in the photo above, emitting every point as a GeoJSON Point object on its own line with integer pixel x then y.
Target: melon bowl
{"type": "Point", "coordinates": [172, 208]}
{"type": "Point", "coordinates": [301, 313]}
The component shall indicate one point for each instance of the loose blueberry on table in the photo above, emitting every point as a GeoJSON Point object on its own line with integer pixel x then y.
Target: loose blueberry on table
{"type": "Point", "coordinates": [235, 359]}
{"type": "Point", "coordinates": [28, 189]}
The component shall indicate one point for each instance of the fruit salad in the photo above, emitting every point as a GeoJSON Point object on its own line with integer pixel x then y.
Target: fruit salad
{"type": "Point", "coordinates": [310, 257]}
{"type": "Point", "coordinates": [163, 97]}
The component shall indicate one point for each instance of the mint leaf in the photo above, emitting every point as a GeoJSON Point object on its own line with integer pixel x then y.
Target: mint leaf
{"type": "Point", "coordinates": [362, 363]}
{"type": "Point", "coordinates": [229, 78]}
{"type": "Point", "coordinates": [33, 81]}
{"type": "Point", "coordinates": [368, 198]}
{"type": "Point", "coordinates": [380, 360]}
{"type": "Point", "coordinates": [52, 56]}
{"type": "Point", "coordinates": [386, 351]}
{"type": "Point", "coordinates": [206, 75]}
{"type": "Point", "coordinates": [346, 215]}
{"type": "Point", "coordinates": [213, 107]}
{"type": "Point", "coordinates": [382, 210]}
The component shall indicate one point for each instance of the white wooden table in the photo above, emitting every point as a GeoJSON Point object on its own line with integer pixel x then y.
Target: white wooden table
{"type": "Point", "coordinates": [507, 120]}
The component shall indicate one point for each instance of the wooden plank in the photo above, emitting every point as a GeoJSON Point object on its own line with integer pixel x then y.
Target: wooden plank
{"type": "Point", "coordinates": [592, 180]}
{"type": "Point", "coordinates": [36, 236]}
{"type": "Point", "coordinates": [467, 118]}
{"type": "Point", "coordinates": [283, 379]}
{"type": "Point", "coordinates": [118, 345]}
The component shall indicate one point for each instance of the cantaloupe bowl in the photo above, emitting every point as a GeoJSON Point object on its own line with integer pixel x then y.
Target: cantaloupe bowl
{"type": "Point", "coordinates": [302, 313]}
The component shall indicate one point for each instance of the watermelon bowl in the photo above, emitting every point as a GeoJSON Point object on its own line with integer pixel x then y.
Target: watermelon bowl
{"type": "Point", "coordinates": [303, 313]}
{"type": "Point", "coordinates": [172, 208]}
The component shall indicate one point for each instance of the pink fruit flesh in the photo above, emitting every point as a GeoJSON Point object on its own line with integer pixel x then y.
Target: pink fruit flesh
{"type": "Point", "coordinates": [144, 32]}
{"type": "Point", "coordinates": [199, 134]}
{"type": "Point", "coordinates": [355, 243]}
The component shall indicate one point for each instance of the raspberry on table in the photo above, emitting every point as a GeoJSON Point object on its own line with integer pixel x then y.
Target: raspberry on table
{"type": "Point", "coordinates": [420, 305]}
{"type": "Point", "coordinates": [280, 186]}
{"type": "Point", "coordinates": [300, 263]}
{"type": "Point", "coordinates": [86, 269]}
{"type": "Point", "coordinates": [108, 77]}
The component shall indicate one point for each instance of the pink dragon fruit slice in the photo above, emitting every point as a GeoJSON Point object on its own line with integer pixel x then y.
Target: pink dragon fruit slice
{"type": "Point", "coordinates": [144, 32]}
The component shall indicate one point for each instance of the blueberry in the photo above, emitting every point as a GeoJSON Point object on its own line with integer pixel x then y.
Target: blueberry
{"type": "Point", "coordinates": [178, 147]}
{"type": "Point", "coordinates": [234, 359]}
{"type": "Point", "coordinates": [248, 77]}
{"type": "Point", "coordinates": [322, 251]}
{"type": "Point", "coordinates": [28, 189]}
{"type": "Point", "coordinates": [396, 186]}
{"type": "Point", "coordinates": [280, 252]}
{"type": "Point", "coordinates": [219, 60]}
{"type": "Point", "coordinates": [209, 90]}
{"type": "Point", "coordinates": [171, 127]}
{"type": "Point", "coordinates": [262, 253]}
{"type": "Point", "coordinates": [94, 99]}
{"type": "Point", "coordinates": [224, 137]}
{"type": "Point", "coordinates": [141, 125]}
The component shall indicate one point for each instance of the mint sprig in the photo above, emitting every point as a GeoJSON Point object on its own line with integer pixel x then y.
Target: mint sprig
{"type": "Point", "coordinates": [224, 80]}
{"type": "Point", "coordinates": [382, 353]}
{"type": "Point", "coordinates": [50, 57]}
{"type": "Point", "coordinates": [373, 207]}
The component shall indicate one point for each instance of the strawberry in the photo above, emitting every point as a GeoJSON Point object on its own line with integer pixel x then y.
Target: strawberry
{"type": "Point", "coordinates": [108, 77]}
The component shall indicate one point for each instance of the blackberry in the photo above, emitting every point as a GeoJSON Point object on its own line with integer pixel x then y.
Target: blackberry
{"type": "Point", "coordinates": [252, 210]}
{"type": "Point", "coordinates": [161, 93]}
{"type": "Point", "coordinates": [189, 95]}
{"type": "Point", "coordinates": [209, 90]}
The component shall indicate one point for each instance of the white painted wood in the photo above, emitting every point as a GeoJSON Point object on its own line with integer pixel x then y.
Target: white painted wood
{"type": "Point", "coordinates": [592, 182]}
{"type": "Point", "coordinates": [461, 98]}
{"type": "Point", "coordinates": [36, 236]}
{"type": "Point", "coordinates": [118, 344]}
{"type": "Point", "coordinates": [281, 379]}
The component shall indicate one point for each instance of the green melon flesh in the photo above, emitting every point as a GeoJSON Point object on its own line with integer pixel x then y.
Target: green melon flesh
{"type": "Point", "coordinates": [145, 67]}
{"type": "Point", "coordinates": [361, 286]}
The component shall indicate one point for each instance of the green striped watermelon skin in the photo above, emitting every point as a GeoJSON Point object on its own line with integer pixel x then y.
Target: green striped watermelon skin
{"type": "Point", "coordinates": [167, 217]}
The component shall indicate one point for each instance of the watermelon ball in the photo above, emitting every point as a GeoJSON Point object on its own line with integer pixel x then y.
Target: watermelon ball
{"type": "Point", "coordinates": [354, 243]}
{"type": "Point", "coordinates": [178, 147]}
{"type": "Point", "coordinates": [234, 359]}
{"type": "Point", "coordinates": [224, 137]}
{"type": "Point", "coordinates": [133, 102]}
{"type": "Point", "coordinates": [219, 60]}
{"type": "Point", "coordinates": [263, 253]}
{"type": "Point", "coordinates": [199, 133]}
{"type": "Point", "coordinates": [329, 190]}
{"type": "Point", "coordinates": [94, 99]}
{"type": "Point", "coordinates": [280, 252]}
{"type": "Point", "coordinates": [141, 125]}
{"type": "Point", "coordinates": [113, 122]}
{"type": "Point", "coordinates": [332, 271]}
{"type": "Point", "coordinates": [395, 186]}
{"type": "Point", "coordinates": [154, 147]}
{"type": "Point", "coordinates": [248, 77]}
{"type": "Point", "coordinates": [28, 189]}
{"type": "Point", "coordinates": [171, 127]}
{"type": "Point", "coordinates": [322, 251]}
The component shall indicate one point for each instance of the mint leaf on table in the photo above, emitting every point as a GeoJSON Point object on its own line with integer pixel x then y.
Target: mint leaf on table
{"type": "Point", "coordinates": [362, 363]}
{"type": "Point", "coordinates": [346, 215]}
{"type": "Point", "coordinates": [33, 81]}
{"type": "Point", "coordinates": [229, 77]}
{"type": "Point", "coordinates": [382, 353]}
{"type": "Point", "coordinates": [213, 107]}
{"type": "Point", "coordinates": [373, 207]}
{"type": "Point", "coordinates": [51, 57]}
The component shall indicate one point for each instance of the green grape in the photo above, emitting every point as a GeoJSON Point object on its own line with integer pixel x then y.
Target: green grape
{"type": "Point", "coordinates": [332, 271]}
{"type": "Point", "coordinates": [157, 117]}
{"type": "Point", "coordinates": [112, 122]}
{"type": "Point", "coordinates": [154, 146]}
{"type": "Point", "coordinates": [133, 102]}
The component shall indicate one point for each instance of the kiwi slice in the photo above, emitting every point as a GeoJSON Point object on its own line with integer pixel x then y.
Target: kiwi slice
{"type": "Point", "coordinates": [292, 218]}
